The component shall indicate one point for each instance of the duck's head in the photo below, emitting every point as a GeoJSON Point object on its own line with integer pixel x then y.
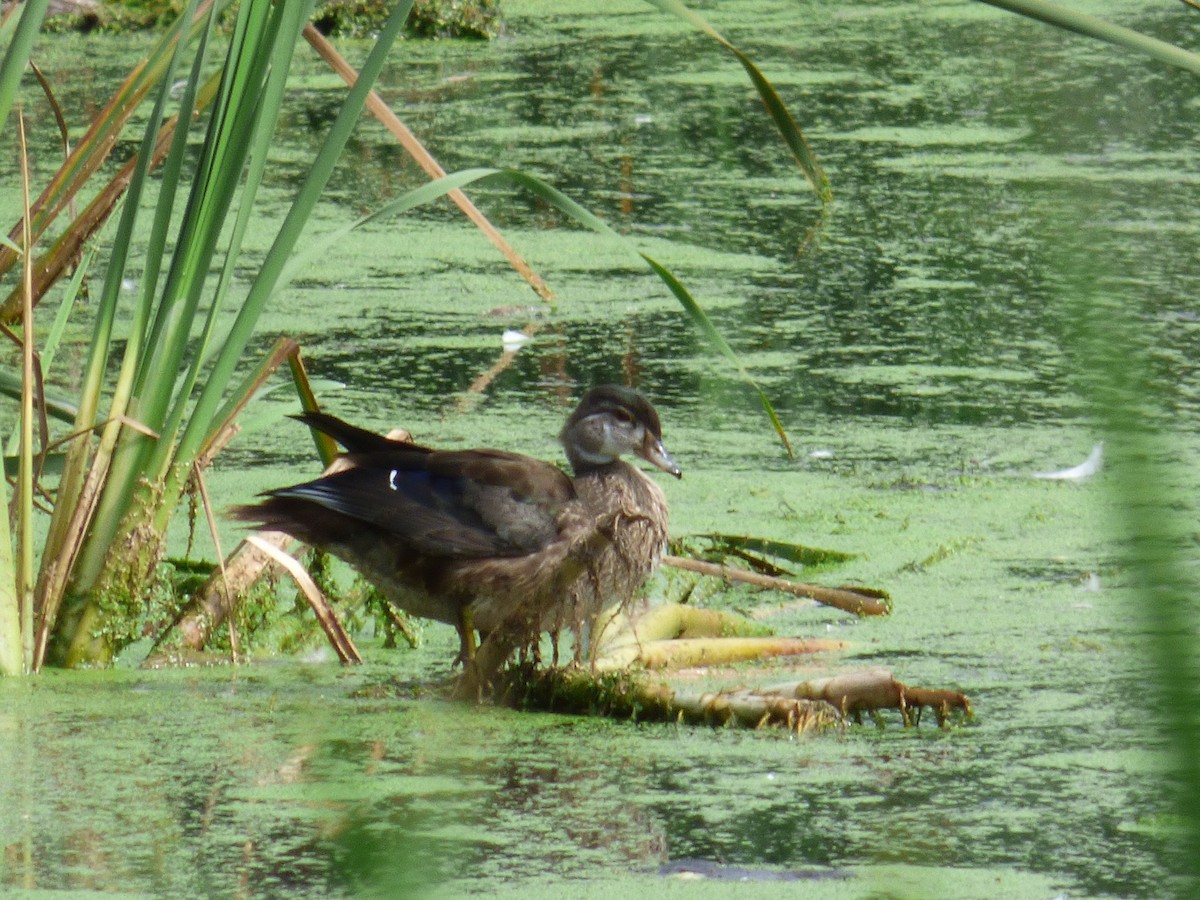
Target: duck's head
{"type": "Point", "coordinates": [610, 422]}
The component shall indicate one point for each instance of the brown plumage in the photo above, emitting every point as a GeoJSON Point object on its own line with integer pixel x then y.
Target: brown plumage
{"type": "Point", "coordinates": [489, 540]}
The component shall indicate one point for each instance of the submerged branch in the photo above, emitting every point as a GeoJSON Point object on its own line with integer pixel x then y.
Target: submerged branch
{"type": "Point", "coordinates": [629, 695]}
{"type": "Point", "coordinates": [338, 638]}
{"type": "Point", "coordinates": [215, 600]}
{"type": "Point", "coordinates": [803, 707]}
{"type": "Point", "coordinates": [860, 601]}
{"type": "Point", "coordinates": [871, 690]}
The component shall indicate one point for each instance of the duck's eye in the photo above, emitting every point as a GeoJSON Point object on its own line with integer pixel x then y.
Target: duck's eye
{"type": "Point", "coordinates": [624, 416]}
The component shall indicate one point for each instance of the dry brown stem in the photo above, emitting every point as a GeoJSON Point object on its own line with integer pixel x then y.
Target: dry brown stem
{"type": "Point", "coordinates": [849, 599]}
{"type": "Point", "coordinates": [338, 638]}
{"type": "Point", "coordinates": [425, 160]}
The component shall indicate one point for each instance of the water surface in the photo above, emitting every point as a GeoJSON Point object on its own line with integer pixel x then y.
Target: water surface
{"type": "Point", "coordinates": [998, 186]}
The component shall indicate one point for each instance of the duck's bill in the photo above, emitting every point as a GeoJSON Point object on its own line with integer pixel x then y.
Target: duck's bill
{"type": "Point", "coordinates": [656, 454]}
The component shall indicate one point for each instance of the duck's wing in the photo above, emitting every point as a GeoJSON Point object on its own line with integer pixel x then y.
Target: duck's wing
{"type": "Point", "coordinates": [455, 504]}
{"type": "Point", "coordinates": [353, 438]}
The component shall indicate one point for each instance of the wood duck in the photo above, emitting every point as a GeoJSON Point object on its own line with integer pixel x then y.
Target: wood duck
{"type": "Point", "coordinates": [487, 540]}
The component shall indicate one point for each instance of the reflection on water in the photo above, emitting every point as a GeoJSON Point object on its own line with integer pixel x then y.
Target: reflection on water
{"type": "Point", "coordinates": [969, 191]}
{"type": "Point", "coordinates": [996, 186]}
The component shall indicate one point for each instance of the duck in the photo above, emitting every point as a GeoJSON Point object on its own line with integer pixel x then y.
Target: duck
{"type": "Point", "coordinates": [485, 540]}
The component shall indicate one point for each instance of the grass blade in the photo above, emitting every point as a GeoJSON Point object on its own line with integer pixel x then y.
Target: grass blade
{"type": "Point", "coordinates": [704, 324]}
{"type": "Point", "coordinates": [84, 473]}
{"type": "Point", "coordinates": [17, 54]}
{"type": "Point", "coordinates": [25, 474]}
{"type": "Point", "coordinates": [255, 133]}
{"type": "Point", "coordinates": [94, 147]}
{"type": "Point", "coordinates": [275, 262]}
{"type": "Point", "coordinates": [776, 108]}
{"type": "Point", "coordinates": [1091, 26]}
{"type": "Point", "coordinates": [12, 656]}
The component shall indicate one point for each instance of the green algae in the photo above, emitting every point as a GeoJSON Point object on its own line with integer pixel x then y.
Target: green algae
{"type": "Point", "coordinates": [920, 137]}
{"type": "Point", "coordinates": [917, 351]}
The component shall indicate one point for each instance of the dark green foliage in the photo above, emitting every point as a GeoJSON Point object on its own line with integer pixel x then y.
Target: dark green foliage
{"type": "Point", "coordinates": [478, 19]}
{"type": "Point", "coordinates": [455, 18]}
{"type": "Point", "coordinates": [620, 694]}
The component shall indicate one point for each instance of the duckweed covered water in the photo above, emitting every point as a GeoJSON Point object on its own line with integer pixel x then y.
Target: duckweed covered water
{"type": "Point", "coordinates": [993, 179]}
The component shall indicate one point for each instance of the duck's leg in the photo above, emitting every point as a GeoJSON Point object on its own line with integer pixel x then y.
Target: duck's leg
{"type": "Point", "coordinates": [466, 636]}
{"type": "Point", "coordinates": [478, 675]}
{"type": "Point", "coordinates": [469, 685]}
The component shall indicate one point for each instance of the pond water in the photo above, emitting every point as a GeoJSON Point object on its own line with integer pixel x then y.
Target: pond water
{"type": "Point", "coordinates": [1000, 189]}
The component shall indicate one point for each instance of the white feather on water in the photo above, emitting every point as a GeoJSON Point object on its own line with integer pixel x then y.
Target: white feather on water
{"type": "Point", "coordinates": [1086, 469]}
